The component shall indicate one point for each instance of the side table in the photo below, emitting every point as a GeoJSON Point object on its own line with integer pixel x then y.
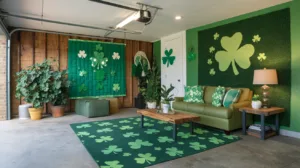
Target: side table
{"type": "Point", "coordinates": [263, 112]}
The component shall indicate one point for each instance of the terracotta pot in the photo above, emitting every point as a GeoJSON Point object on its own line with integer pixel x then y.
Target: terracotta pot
{"type": "Point", "coordinates": [57, 111]}
{"type": "Point", "coordinates": [35, 113]}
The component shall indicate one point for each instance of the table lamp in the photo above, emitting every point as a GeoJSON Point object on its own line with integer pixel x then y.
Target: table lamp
{"type": "Point", "coordinates": [265, 77]}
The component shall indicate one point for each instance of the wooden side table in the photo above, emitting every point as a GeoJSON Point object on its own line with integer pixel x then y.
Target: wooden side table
{"type": "Point", "coordinates": [263, 112]}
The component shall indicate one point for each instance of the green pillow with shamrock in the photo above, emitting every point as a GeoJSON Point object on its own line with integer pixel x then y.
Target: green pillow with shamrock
{"type": "Point", "coordinates": [193, 94]}
{"type": "Point", "coordinates": [218, 95]}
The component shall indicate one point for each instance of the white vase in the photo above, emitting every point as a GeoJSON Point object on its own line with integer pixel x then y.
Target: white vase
{"type": "Point", "coordinates": [171, 104]}
{"type": "Point", "coordinates": [256, 104]}
{"type": "Point", "coordinates": [151, 105]}
{"type": "Point", "coordinates": [166, 108]}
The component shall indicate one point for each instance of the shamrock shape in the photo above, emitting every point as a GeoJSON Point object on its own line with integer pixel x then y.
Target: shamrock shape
{"type": "Point", "coordinates": [84, 126]}
{"type": "Point", "coordinates": [104, 139]}
{"type": "Point", "coordinates": [112, 164]}
{"type": "Point", "coordinates": [126, 154]}
{"type": "Point", "coordinates": [212, 49]}
{"type": "Point", "coordinates": [186, 125]}
{"type": "Point", "coordinates": [105, 124]}
{"type": "Point", "coordinates": [112, 149]}
{"type": "Point", "coordinates": [116, 56]}
{"type": "Point", "coordinates": [163, 139]}
{"type": "Point", "coordinates": [201, 138]}
{"type": "Point", "coordinates": [100, 75]}
{"type": "Point", "coordinates": [135, 123]}
{"type": "Point", "coordinates": [116, 87]}
{"type": "Point", "coordinates": [113, 73]}
{"type": "Point", "coordinates": [231, 137]}
{"type": "Point", "coordinates": [212, 72]}
{"type": "Point", "coordinates": [82, 134]}
{"type": "Point", "coordinates": [174, 152]}
{"type": "Point", "coordinates": [209, 62]}
{"type": "Point", "coordinates": [184, 135]}
{"type": "Point", "coordinates": [197, 146]}
{"type": "Point", "coordinates": [157, 148]}
{"type": "Point", "coordinates": [262, 57]}
{"type": "Point", "coordinates": [130, 134]}
{"type": "Point", "coordinates": [137, 144]}
{"type": "Point", "coordinates": [92, 136]}
{"type": "Point", "coordinates": [99, 86]}
{"type": "Point", "coordinates": [181, 143]}
{"type": "Point", "coordinates": [126, 127]}
{"type": "Point", "coordinates": [139, 119]}
{"type": "Point", "coordinates": [81, 54]}
{"type": "Point", "coordinates": [256, 38]}
{"type": "Point", "coordinates": [234, 54]}
{"type": "Point", "coordinates": [130, 118]}
{"type": "Point", "coordinates": [216, 36]}
{"type": "Point", "coordinates": [145, 158]}
{"type": "Point", "coordinates": [99, 47]}
{"type": "Point", "coordinates": [148, 125]}
{"type": "Point", "coordinates": [215, 140]}
{"type": "Point", "coordinates": [191, 55]}
{"type": "Point", "coordinates": [124, 121]}
{"type": "Point", "coordinates": [200, 131]}
{"type": "Point", "coordinates": [161, 122]}
{"type": "Point", "coordinates": [168, 128]}
{"type": "Point", "coordinates": [82, 88]}
{"type": "Point", "coordinates": [216, 134]}
{"type": "Point", "coordinates": [168, 59]}
{"type": "Point", "coordinates": [115, 125]}
{"type": "Point", "coordinates": [82, 73]}
{"type": "Point", "coordinates": [105, 130]}
{"type": "Point", "coordinates": [99, 61]}
{"type": "Point", "coordinates": [152, 131]}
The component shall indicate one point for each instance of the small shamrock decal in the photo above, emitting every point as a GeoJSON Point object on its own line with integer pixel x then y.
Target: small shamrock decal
{"type": "Point", "coordinates": [104, 139]}
{"type": "Point", "coordinates": [82, 73]}
{"type": "Point", "coordinates": [209, 62]}
{"type": "Point", "coordinates": [256, 38]}
{"type": "Point", "coordinates": [137, 144]}
{"type": "Point", "coordinates": [112, 149]}
{"type": "Point", "coordinates": [215, 140]}
{"type": "Point", "coordinates": [148, 125]}
{"type": "Point", "coordinates": [124, 121]}
{"type": "Point", "coordinates": [168, 128]}
{"type": "Point", "coordinates": [186, 125]}
{"type": "Point", "coordinates": [212, 49]}
{"type": "Point", "coordinates": [84, 126]}
{"type": "Point", "coordinates": [105, 130]}
{"type": "Point", "coordinates": [262, 57]}
{"type": "Point", "coordinates": [161, 122]}
{"type": "Point", "coordinates": [163, 139]}
{"type": "Point", "coordinates": [145, 158]}
{"type": "Point", "coordinates": [112, 164]}
{"type": "Point", "coordinates": [82, 88]}
{"type": "Point", "coordinates": [81, 54]}
{"type": "Point", "coordinates": [82, 134]}
{"type": "Point", "coordinates": [105, 124]}
{"type": "Point", "coordinates": [157, 148]}
{"type": "Point", "coordinates": [126, 127]}
{"type": "Point", "coordinates": [92, 136]}
{"type": "Point", "coordinates": [231, 137]}
{"type": "Point", "coordinates": [113, 73]}
{"type": "Point", "coordinates": [126, 154]}
{"type": "Point", "coordinates": [116, 87]}
{"type": "Point", "coordinates": [216, 36]}
{"type": "Point", "coordinates": [197, 146]}
{"type": "Point", "coordinates": [130, 134]}
{"type": "Point", "coordinates": [99, 86]}
{"type": "Point", "coordinates": [99, 47]}
{"type": "Point", "coordinates": [174, 152]}
{"type": "Point", "coordinates": [116, 56]}
{"type": "Point", "coordinates": [184, 135]}
{"type": "Point", "coordinates": [152, 131]}
{"type": "Point", "coordinates": [168, 58]}
{"type": "Point", "coordinates": [181, 143]}
{"type": "Point", "coordinates": [200, 131]}
{"type": "Point", "coordinates": [212, 72]}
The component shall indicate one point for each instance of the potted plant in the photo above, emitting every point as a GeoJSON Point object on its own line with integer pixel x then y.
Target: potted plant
{"type": "Point", "coordinates": [152, 93]}
{"type": "Point", "coordinates": [256, 103]}
{"type": "Point", "coordinates": [59, 89]}
{"type": "Point", "coordinates": [33, 86]}
{"type": "Point", "coordinates": [166, 97]}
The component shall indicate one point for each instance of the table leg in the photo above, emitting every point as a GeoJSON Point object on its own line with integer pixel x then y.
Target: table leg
{"type": "Point", "coordinates": [175, 132]}
{"type": "Point", "coordinates": [277, 124]}
{"type": "Point", "coordinates": [262, 127]}
{"type": "Point", "coordinates": [244, 122]}
{"type": "Point", "coordinates": [192, 128]}
{"type": "Point", "coordinates": [142, 121]}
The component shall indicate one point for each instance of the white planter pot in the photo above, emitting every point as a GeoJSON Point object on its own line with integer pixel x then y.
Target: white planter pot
{"type": "Point", "coordinates": [166, 108]}
{"type": "Point", "coordinates": [151, 105]}
{"type": "Point", "coordinates": [256, 104]}
{"type": "Point", "coordinates": [171, 104]}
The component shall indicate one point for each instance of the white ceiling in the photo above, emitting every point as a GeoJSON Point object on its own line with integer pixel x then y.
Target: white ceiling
{"type": "Point", "coordinates": [194, 13]}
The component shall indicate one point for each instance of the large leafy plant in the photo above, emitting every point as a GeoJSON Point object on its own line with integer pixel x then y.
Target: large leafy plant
{"type": "Point", "coordinates": [59, 88]}
{"type": "Point", "coordinates": [166, 93]}
{"type": "Point", "coordinates": [152, 92]}
{"type": "Point", "coordinates": [33, 84]}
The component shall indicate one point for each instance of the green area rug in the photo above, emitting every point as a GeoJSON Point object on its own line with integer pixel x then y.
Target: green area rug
{"type": "Point", "coordinates": [122, 143]}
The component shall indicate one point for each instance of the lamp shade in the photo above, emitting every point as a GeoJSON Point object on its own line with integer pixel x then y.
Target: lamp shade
{"type": "Point", "coordinates": [265, 77]}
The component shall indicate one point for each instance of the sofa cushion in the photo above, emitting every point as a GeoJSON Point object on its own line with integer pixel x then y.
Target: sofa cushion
{"type": "Point", "coordinates": [219, 112]}
{"type": "Point", "coordinates": [208, 92]}
{"type": "Point", "coordinates": [182, 106]}
{"type": "Point", "coordinates": [193, 94]}
{"type": "Point", "coordinates": [196, 107]}
{"type": "Point", "coordinates": [245, 94]}
{"type": "Point", "coordinates": [218, 96]}
{"type": "Point", "coordinates": [231, 96]}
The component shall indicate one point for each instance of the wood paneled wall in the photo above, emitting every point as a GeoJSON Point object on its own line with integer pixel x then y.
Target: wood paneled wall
{"type": "Point", "coordinates": [28, 48]}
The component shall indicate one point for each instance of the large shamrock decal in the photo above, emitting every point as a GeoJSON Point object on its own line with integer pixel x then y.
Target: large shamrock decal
{"type": "Point", "coordinates": [234, 54]}
{"type": "Point", "coordinates": [215, 140]}
{"type": "Point", "coordinates": [130, 134]}
{"type": "Point", "coordinates": [163, 139]}
{"type": "Point", "coordinates": [99, 61]}
{"type": "Point", "coordinates": [112, 164]}
{"type": "Point", "coordinates": [145, 158]}
{"type": "Point", "coordinates": [105, 130]}
{"type": "Point", "coordinates": [174, 152]}
{"type": "Point", "coordinates": [112, 149]}
{"type": "Point", "coordinates": [137, 144]}
{"type": "Point", "coordinates": [104, 139]}
{"type": "Point", "coordinates": [197, 146]}
{"type": "Point", "coordinates": [168, 59]}
{"type": "Point", "coordinates": [82, 134]}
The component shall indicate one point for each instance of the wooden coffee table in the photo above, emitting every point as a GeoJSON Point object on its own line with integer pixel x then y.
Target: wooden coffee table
{"type": "Point", "coordinates": [175, 119]}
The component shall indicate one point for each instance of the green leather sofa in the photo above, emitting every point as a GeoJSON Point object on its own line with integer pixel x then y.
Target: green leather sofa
{"type": "Point", "coordinates": [227, 119]}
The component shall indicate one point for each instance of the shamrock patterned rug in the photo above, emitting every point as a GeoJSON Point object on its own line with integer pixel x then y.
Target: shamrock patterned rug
{"type": "Point", "coordinates": [122, 143]}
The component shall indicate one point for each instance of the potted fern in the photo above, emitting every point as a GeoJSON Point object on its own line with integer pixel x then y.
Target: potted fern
{"type": "Point", "coordinates": [166, 97]}
{"type": "Point", "coordinates": [256, 103]}
{"type": "Point", "coordinates": [33, 86]}
{"type": "Point", "coordinates": [152, 93]}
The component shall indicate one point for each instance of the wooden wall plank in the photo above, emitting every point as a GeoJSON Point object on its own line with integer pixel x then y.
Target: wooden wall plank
{"type": "Point", "coordinates": [52, 50]}
{"type": "Point", "coordinates": [128, 99]}
{"type": "Point", "coordinates": [40, 49]}
{"type": "Point", "coordinates": [135, 91]}
{"type": "Point", "coordinates": [14, 54]}
{"type": "Point", "coordinates": [26, 49]}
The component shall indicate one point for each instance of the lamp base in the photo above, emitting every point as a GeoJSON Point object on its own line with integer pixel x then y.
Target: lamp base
{"type": "Point", "coordinates": [265, 100]}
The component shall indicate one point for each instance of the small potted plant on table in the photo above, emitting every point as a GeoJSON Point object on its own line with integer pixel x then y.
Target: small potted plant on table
{"type": "Point", "coordinates": [166, 97]}
{"type": "Point", "coordinates": [152, 93]}
{"type": "Point", "coordinates": [256, 103]}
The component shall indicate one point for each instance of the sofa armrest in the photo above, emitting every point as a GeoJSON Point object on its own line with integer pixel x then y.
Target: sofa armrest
{"type": "Point", "coordinates": [178, 99]}
{"type": "Point", "coordinates": [236, 106]}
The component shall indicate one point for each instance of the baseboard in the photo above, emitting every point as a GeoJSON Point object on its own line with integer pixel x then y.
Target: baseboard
{"type": "Point", "coordinates": [289, 133]}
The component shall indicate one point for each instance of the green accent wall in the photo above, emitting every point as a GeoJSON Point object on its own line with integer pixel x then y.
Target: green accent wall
{"type": "Point", "coordinates": [157, 52]}
{"type": "Point", "coordinates": [192, 66]}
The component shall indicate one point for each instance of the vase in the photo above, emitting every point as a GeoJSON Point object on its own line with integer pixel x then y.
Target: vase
{"type": "Point", "coordinates": [151, 105]}
{"type": "Point", "coordinates": [256, 104]}
{"type": "Point", "coordinates": [166, 108]}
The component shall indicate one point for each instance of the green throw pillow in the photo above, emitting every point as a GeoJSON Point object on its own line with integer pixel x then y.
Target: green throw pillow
{"type": "Point", "coordinates": [217, 97]}
{"type": "Point", "coordinates": [232, 96]}
{"type": "Point", "coordinates": [193, 94]}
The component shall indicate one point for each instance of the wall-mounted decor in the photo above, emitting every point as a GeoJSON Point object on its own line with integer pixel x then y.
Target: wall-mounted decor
{"type": "Point", "coordinates": [96, 69]}
{"type": "Point", "coordinates": [191, 54]}
{"type": "Point", "coordinates": [229, 54]}
{"type": "Point", "coordinates": [168, 59]}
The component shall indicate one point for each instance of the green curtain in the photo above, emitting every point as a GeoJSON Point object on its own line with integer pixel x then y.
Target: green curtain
{"type": "Point", "coordinates": [96, 69]}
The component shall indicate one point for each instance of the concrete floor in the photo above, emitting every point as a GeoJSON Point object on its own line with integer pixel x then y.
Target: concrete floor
{"type": "Point", "coordinates": [51, 143]}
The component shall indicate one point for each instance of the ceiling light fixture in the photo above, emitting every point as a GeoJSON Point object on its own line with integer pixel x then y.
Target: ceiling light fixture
{"type": "Point", "coordinates": [178, 17]}
{"type": "Point", "coordinates": [131, 18]}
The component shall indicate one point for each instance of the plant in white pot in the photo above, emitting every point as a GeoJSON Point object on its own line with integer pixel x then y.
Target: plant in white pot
{"type": "Point", "coordinates": [256, 103]}
{"type": "Point", "coordinates": [152, 93]}
{"type": "Point", "coordinates": [166, 97]}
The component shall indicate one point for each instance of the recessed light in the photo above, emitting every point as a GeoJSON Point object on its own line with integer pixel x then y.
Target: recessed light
{"type": "Point", "coordinates": [178, 17]}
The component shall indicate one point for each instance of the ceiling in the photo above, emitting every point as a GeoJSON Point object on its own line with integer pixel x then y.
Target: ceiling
{"type": "Point", "coordinates": [194, 13]}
